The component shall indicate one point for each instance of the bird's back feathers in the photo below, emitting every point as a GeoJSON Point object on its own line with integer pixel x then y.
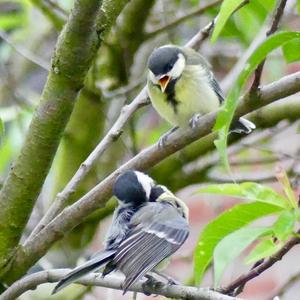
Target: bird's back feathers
{"type": "Point", "coordinates": [157, 232]}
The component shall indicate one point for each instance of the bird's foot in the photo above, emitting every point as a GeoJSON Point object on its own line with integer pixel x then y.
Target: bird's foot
{"type": "Point", "coordinates": [170, 280]}
{"type": "Point", "coordinates": [150, 284]}
{"type": "Point", "coordinates": [194, 120]}
{"type": "Point", "coordinates": [163, 140]}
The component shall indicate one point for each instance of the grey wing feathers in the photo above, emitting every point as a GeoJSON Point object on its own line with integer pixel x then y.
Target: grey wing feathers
{"type": "Point", "coordinates": [149, 244]}
{"type": "Point", "coordinates": [87, 267]}
{"type": "Point", "coordinates": [195, 58]}
{"type": "Point", "coordinates": [216, 87]}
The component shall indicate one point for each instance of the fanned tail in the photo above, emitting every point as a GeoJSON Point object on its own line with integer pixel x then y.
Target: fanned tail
{"type": "Point", "coordinates": [89, 266]}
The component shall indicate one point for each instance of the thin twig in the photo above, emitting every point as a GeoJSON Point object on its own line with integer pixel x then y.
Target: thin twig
{"type": "Point", "coordinates": [287, 285]}
{"type": "Point", "coordinates": [234, 73]}
{"type": "Point", "coordinates": [113, 134]}
{"type": "Point", "coordinates": [203, 34]}
{"type": "Point", "coordinates": [55, 6]}
{"type": "Point", "coordinates": [95, 279]}
{"type": "Point", "coordinates": [253, 161]}
{"type": "Point", "coordinates": [122, 90]}
{"type": "Point", "coordinates": [204, 163]}
{"type": "Point", "coordinates": [242, 280]}
{"type": "Point", "coordinates": [260, 177]}
{"type": "Point", "coordinates": [56, 15]}
{"type": "Point", "coordinates": [25, 52]}
{"type": "Point", "coordinates": [274, 26]}
{"type": "Point", "coordinates": [182, 19]}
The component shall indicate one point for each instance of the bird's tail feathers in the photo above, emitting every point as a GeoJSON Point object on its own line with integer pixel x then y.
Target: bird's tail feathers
{"type": "Point", "coordinates": [243, 126]}
{"type": "Point", "coordinates": [91, 265]}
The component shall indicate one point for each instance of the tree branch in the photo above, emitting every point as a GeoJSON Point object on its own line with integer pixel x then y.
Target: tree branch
{"type": "Point", "coordinates": [242, 280]}
{"type": "Point", "coordinates": [71, 216]}
{"type": "Point", "coordinates": [25, 52]}
{"type": "Point", "coordinates": [70, 64]}
{"type": "Point", "coordinates": [266, 117]}
{"type": "Point", "coordinates": [182, 19]}
{"type": "Point", "coordinates": [56, 15]}
{"type": "Point", "coordinates": [291, 281]}
{"type": "Point", "coordinates": [113, 134]}
{"type": "Point", "coordinates": [274, 26]}
{"type": "Point", "coordinates": [94, 279]}
{"type": "Point", "coordinates": [59, 202]}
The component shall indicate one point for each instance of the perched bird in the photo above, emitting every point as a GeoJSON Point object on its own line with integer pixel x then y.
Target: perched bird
{"type": "Point", "coordinates": [182, 87]}
{"type": "Point", "coordinates": [149, 225]}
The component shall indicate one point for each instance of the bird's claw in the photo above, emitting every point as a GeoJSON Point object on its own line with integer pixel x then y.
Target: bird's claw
{"type": "Point", "coordinates": [150, 284]}
{"type": "Point", "coordinates": [172, 281]}
{"type": "Point", "coordinates": [163, 140]}
{"type": "Point", "coordinates": [194, 120]}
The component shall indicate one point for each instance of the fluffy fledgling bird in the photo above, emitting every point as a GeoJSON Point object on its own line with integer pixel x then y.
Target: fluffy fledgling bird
{"type": "Point", "coordinates": [182, 87]}
{"type": "Point", "coordinates": [149, 225]}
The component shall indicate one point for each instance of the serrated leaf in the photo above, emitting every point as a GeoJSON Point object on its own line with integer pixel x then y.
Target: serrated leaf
{"type": "Point", "coordinates": [247, 190]}
{"type": "Point", "coordinates": [225, 115]}
{"type": "Point", "coordinates": [291, 51]}
{"type": "Point", "coordinates": [226, 10]}
{"type": "Point", "coordinates": [284, 226]}
{"type": "Point", "coordinates": [263, 249]}
{"type": "Point", "coordinates": [232, 246]}
{"type": "Point", "coordinates": [229, 221]}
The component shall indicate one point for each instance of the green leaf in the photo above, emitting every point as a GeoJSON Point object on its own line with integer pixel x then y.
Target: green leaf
{"type": "Point", "coordinates": [284, 226]}
{"type": "Point", "coordinates": [1, 128]}
{"type": "Point", "coordinates": [225, 116]}
{"type": "Point", "coordinates": [291, 51]}
{"type": "Point", "coordinates": [221, 148]}
{"type": "Point", "coordinates": [285, 183]}
{"type": "Point", "coordinates": [298, 6]}
{"type": "Point", "coordinates": [232, 246]}
{"type": "Point", "coordinates": [263, 249]}
{"type": "Point", "coordinates": [229, 221]}
{"type": "Point", "coordinates": [226, 10]}
{"type": "Point", "coordinates": [247, 190]}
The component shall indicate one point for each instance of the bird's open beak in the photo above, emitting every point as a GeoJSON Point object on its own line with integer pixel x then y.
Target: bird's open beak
{"type": "Point", "coordinates": [163, 82]}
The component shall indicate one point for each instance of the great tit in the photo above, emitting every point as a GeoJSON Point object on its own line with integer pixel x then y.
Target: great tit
{"type": "Point", "coordinates": [149, 225]}
{"type": "Point", "coordinates": [182, 87]}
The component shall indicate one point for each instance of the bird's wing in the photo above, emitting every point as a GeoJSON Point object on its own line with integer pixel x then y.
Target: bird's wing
{"type": "Point", "coordinates": [89, 266]}
{"type": "Point", "coordinates": [158, 230]}
{"type": "Point", "coordinates": [216, 87]}
{"type": "Point", "coordinates": [195, 58]}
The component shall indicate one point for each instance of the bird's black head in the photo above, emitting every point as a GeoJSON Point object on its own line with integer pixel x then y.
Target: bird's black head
{"type": "Point", "coordinates": [163, 59]}
{"type": "Point", "coordinates": [133, 187]}
{"type": "Point", "coordinates": [156, 191]}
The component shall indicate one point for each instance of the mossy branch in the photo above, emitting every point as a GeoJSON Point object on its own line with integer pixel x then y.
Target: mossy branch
{"type": "Point", "coordinates": [75, 50]}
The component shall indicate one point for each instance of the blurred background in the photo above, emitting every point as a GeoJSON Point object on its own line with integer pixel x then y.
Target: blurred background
{"type": "Point", "coordinates": [28, 33]}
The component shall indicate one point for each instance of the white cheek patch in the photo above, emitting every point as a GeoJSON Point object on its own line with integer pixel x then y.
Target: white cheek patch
{"type": "Point", "coordinates": [152, 77]}
{"type": "Point", "coordinates": [146, 182]}
{"type": "Point", "coordinates": [178, 67]}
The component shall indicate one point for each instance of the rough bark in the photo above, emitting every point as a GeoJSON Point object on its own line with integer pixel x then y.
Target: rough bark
{"type": "Point", "coordinates": [75, 50]}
